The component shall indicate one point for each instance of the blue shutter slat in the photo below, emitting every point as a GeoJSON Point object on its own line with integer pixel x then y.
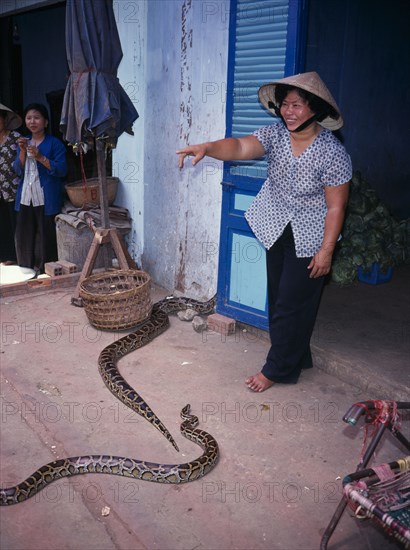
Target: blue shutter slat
{"type": "Point", "coordinates": [260, 54]}
{"type": "Point", "coordinates": [264, 32]}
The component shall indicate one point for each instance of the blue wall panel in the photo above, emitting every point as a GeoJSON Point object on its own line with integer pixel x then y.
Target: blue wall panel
{"type": "Point", "coordinates": [264, 45]}
{"type": "Point", "coordinates": [361, 49]}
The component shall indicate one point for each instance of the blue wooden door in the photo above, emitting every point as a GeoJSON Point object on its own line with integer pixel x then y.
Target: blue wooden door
{"type": "Point", "coordinates": [266, 43]}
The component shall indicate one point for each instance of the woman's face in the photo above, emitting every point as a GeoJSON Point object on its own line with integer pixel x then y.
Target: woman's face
{"type": "Point", "coordinates": [35, 121]}
{"type": "Point", "coordinates": [295, 110]}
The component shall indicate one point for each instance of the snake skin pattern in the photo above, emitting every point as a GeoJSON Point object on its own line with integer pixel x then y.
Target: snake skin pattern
{"type": "Point", "coordinates": [157, 323]}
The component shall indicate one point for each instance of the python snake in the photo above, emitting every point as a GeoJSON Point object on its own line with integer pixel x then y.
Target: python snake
{"type": "Point", "coordinates": [157, 323]}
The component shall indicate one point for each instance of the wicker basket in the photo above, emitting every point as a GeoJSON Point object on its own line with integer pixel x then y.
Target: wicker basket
{"type": "Point", "coordinates": [80, 194]}
{"type": "Point", "coordinates": [116, 300]}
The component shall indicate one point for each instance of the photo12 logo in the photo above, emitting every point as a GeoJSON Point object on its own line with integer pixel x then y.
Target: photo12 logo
{"type": "Point", "coordinates": [271, 411]}
{"type": "Point", "coordinates": [288, 492]}
{"type": "Point", "coordinates": [51, 412]}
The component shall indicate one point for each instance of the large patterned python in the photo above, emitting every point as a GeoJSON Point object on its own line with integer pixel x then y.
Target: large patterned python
{"type": "Point", "coordinates": [157, 323]}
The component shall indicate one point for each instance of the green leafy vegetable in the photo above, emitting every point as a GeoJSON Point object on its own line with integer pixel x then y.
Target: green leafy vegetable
{"type": "Point", "coordinates": [371, 234]}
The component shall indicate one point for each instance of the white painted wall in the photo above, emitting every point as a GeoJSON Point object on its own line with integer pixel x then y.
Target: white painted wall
{"type": "Point", "coordinates": [187, 224]}
{"type": "Point", "coordinates": [175, 69]}
{"type": "Point", "coordinates": [128, 157]}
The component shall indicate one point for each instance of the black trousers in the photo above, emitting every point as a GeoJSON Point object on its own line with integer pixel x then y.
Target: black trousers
{"type": "Point", "coordinates": [7, 231]}
{"type": "Point", "coordinates": [293, 300]}
{"type": "Point", "coordinates": [36, 240]}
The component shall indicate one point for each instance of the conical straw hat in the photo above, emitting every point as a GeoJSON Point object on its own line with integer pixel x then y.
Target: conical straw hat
{"type": "Point", "coordinates": [13, 120]}
{"type": "Point", "coordinates": [311, 82]}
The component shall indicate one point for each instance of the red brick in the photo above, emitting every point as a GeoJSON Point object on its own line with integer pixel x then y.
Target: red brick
{"type": "Point", "coordinates": [53, 269]}
{"type": "Point", "coordinates": [36, 283]}
{"type": "Point", "coordinates": [220, 323]}
{"type": "Point", "coordinates": [68, 267]}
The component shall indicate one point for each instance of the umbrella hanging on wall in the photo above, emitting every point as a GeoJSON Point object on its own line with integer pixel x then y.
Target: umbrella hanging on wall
{"type": "Point", "coordinates": [96, 109]}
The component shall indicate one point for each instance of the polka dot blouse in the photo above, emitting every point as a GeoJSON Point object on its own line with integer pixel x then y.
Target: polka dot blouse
{"type": "Point", "coordinates": [295, 189]}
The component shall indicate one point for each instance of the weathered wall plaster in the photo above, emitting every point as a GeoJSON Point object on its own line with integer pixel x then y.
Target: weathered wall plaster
{"type": "Point", "coordinates": [187, 48]}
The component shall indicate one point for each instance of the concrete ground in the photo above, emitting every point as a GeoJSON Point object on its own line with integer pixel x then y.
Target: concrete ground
{"type": "Point", "coordinates": [282, 453]}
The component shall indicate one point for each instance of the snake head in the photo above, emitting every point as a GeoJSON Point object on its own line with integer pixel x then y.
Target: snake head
{"type": "Point", "coordinates": [185, 412]}
{"type": "Point", "coordinates": [189, 419]}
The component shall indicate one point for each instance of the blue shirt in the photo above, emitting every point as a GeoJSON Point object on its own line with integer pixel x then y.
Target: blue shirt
{"type": "Point", "coordinates": [50, 180]}
{"type": "Point", "coordinates": [295, 189]}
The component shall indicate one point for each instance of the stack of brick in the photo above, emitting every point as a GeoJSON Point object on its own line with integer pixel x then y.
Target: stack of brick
{"type": "Point", "coordinates": [62, 267]}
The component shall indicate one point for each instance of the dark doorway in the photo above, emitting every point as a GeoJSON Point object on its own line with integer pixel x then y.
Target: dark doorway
{"type": "Point", "coordinates": [25, 79]}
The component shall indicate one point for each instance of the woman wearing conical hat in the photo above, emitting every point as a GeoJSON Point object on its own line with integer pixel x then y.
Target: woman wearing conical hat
{"type": "Point", "coordinates": [298, 213]}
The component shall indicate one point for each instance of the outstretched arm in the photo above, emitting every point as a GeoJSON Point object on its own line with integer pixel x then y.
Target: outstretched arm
{"type": "Point", "coordinates": [244, 148]}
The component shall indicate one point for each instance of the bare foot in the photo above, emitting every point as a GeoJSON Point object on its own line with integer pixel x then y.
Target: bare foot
{"type": "Point", "coordinates": [259, 382]}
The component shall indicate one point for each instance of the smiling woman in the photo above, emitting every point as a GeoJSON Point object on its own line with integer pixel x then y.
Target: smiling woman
{"type": "Point", "coordinates": [40, 165]}
{"type": "Point", "coordinates": [295, 110]}
{"type": "Point", "coordinates": [298, 103]}
{"type": "Point", "coordinates": [298, 213]}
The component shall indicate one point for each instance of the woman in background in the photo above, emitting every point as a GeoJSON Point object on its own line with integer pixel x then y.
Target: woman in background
{"type": "Point", "coordinates": [40, 164]}
{"type": "Point", "coordinates": [9, 122]}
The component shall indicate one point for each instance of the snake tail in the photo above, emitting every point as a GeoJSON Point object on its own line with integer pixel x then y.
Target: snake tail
{"type": "Point", "coordinates": [144, 333]}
